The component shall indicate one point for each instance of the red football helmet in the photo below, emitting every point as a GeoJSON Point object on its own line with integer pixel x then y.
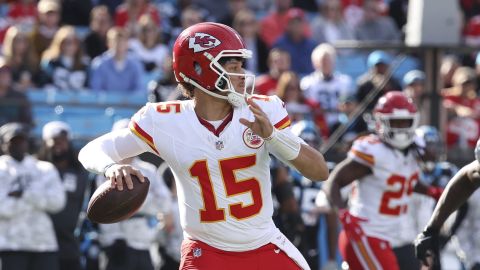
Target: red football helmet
{"type": "Point", "coordinates": [395, 106]}
{"type": "Point", "coordinates": [196, 56]}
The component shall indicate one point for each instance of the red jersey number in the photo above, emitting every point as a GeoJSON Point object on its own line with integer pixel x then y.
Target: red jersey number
{"type": "Point", "coordinates": [233, 186]}
{"type": "Point", "coordinates": [405, 187]}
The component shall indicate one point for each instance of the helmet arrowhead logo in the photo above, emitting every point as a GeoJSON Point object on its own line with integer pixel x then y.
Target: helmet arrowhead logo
{"type": "Point", "coordinates": [202, 41]}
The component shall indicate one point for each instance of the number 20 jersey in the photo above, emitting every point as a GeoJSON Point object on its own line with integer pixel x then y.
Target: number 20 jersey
{"type": "Point", "coordinates": [223, 182]}
{"type": "Point", "coordinates": [382, 197]}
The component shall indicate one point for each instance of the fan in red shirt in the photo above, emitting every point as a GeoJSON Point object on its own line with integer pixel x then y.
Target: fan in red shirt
{"type": "Point", "coordinates": [128, 13]}
{"type": "Point", "coordinates": [278, 62]}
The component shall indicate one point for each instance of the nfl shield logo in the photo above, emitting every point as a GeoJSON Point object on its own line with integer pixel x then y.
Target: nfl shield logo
{"type": "Point", "coordinates": [197, 252]}
{"type": "Point", "coordinates": [219, 145]}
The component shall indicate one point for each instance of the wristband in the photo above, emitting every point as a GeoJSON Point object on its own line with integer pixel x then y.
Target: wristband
{"type": "Point", "coordinates": [284, 144]}
{"type": "Point", "coordinates": [106, 168]}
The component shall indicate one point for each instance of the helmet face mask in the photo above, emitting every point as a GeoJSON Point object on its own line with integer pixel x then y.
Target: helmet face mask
{"type": "Point", "coordinates": [396, 119]}
{"type": "Point", "coordinates": [398, 137]}
{"type": "Point", "coordinates": [197, 56]}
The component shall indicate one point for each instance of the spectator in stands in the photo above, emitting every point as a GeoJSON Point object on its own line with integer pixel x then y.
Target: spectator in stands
{"type": "Point", "coordinates": [378, 63]}
{"type": "Point", "coordinates": [329, 25]}
{"type": "Point", "coordinates": [75, 12]}
{"type": "Point", "coordinates": [463, 113]}
{"type": "Point", "coordinates": [115, 70]}
{"type": "Point", "coordinates": [298, 106]}
{"type": "Point", "coordinates": [296, 43]}
{"type": "Point", "coordinates": [246, 25]}
{"type": "Point", "coordinates": [47, 25]}
{"type": "Point", "coordinates": [148, 46]}
{"type": "Point", "coordinates": [127, 243]}
{"type": "Point", "coordinates": [397, 10]}
{"type": "Point", "coordinates": [165, 88]}
{"type": "Point", "coordinates": [189, 16]}
{"type": "Point", "coordinates": [278, 62]}
{"type": "Point", "coordinates": [30, 190]}
{"type": "Point", "coordinates": [57, 149]}
{"type": "Point", "coordinates": [273, 25]}
{"type": "Point", "coordinates": [414, 88]}
{"type": "Point", "coordinates": [324, 85]}
{"type": "Point", "coordinates": [449, 65]}
{"type": "Point", "coordinates": [63, 63]}
{"type": "Point", "coordinates": [234, 6]}
{"type": "Point", "coordinates": [95, 43]}
{"type": "Point", "coordinates": [375, 26]}
{"type": "Point", "coordinates": [14, 105]}
{"type": "Point", "coordinates": [112, 5]}
{"type": "Point", "coordinates": [21, 58]}
{"type": "Point", "coordinates": [128, 14]}
{"type": "Point", "coordinates": [23, 14]}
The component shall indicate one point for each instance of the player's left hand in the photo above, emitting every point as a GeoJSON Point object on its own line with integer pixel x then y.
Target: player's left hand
{"type": "Point", "coordinates": [427, 248]}
{"type": "Point", "coordinates": [261, 125]}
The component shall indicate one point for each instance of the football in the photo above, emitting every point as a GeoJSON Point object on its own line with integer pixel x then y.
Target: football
{"type": "Point", "coordinates": [110, 205]}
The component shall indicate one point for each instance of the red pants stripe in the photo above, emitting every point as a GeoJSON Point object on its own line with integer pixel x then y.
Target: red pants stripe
{"type": "Point", "coordinates": [370, 253]}
{"type": "Point", "coordinates": [197, 255]}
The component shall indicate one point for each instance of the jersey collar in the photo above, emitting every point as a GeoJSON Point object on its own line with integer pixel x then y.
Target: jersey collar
{"type": "Point", "coordinates": [211, 128]}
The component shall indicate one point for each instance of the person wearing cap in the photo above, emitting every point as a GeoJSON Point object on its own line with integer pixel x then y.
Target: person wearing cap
{"type": "Point", "coordinates": [325, 85]}
{"type": "Point", "coordinates": [127, 243]}
{"type": "Point", "coordinates": [296, 42]}
{"type": "Point", "coordinates": [57, 149]}
{"type": "Point", "coordinates": [378, 63]}
{"type": "Point", "coordinates": [414, 88]}
{"type": "Point", "coordinates": [14, 105]}
{"type": "Point", "coordinates": [462, 106]}
{"type": "Point", "coordinates": [273, 25]}
{"type": "Point", "coordinates": [374, 26]}
{"type": "Point", "coordinates": [30, 190]}
{"type": "Point", "coordinates": [47, 25]}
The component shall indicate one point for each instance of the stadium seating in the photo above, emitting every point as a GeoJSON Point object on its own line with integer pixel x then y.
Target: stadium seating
{"type": "Point", "coordinates": [89, 114]}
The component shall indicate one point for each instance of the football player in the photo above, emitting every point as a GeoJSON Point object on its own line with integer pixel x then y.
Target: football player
{"type": "Point", "coordinates": [457, 192]}
{"type": "Point", "coordinates": [384, 170]}
{"type": "Point", "coordinates": [217, 145]}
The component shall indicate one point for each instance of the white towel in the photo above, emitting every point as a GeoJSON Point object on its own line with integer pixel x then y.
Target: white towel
{"type": "Point", "coordinates": [284, 244]}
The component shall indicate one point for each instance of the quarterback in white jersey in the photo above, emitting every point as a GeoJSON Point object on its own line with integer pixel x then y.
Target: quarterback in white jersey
{"type": "Point", "coordinates": [217, 145]}
{"type": "Point", "coordinates": [384, 172]}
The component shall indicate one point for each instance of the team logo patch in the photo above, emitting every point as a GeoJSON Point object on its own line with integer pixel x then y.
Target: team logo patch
{"type": "Point", "coordinates": [197, 252]}
{"type": "Point", "coordinates": [251, 139]}
{"type": "Point", "coordinates": [201, 42]}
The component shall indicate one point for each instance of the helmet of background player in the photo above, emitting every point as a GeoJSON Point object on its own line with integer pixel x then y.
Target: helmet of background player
{"type": "Point", "coordinates": [308, 131]}
{"type": "Point", "coordinates": [197, 55]}
{"type": "Point", "coordinates": [396, 119]}
{"type": "Point", "coordinates": [433, 149]}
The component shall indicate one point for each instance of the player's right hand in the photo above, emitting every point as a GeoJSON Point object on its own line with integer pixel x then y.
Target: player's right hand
{"type": "Point", "coordinates": [427, 248]}
{"type": "Point", "coordinates": [351, 225]}
{"type": "Point", "coordinates": [118, 174]}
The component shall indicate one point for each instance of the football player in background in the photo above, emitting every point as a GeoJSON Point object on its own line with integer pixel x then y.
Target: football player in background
{"type": "Point", "coordinates": [30, 190]}
{"type": "Point", "coordinates": [305, 192]}
{"type": "Point", "coordinates": [217, 145]}
{"type": "Point", "coordinates": [458, 190]}
{"type": "Point", "coordinates": [383, 168]}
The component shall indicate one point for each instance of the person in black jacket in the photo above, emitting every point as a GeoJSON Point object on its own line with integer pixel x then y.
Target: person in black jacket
{"type": "Point", "coordinates": [57, 149]}
{"type": "Point", "coordinates": [246, 25]}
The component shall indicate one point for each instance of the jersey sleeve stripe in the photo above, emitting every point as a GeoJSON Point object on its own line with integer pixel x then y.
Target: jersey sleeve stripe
{"type": "Point", "coordinates": [284, 123]}
{"type": "Point", "coordinates": [365, 157]}
{"type": "Point", "coordinates": [137, 130]}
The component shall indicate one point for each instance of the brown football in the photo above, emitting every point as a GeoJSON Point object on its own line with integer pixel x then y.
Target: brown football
{"type": "Point", "coordinates": [110, 205]}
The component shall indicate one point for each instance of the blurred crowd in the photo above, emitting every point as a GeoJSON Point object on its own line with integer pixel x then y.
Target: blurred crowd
{"type": "Point", "coordinates": [124, 47]}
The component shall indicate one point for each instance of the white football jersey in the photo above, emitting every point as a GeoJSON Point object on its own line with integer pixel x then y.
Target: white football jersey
{"type": "Point", "coordinates": [382, 197]}
{"type": "Point", "coordinates": [222, 174]}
